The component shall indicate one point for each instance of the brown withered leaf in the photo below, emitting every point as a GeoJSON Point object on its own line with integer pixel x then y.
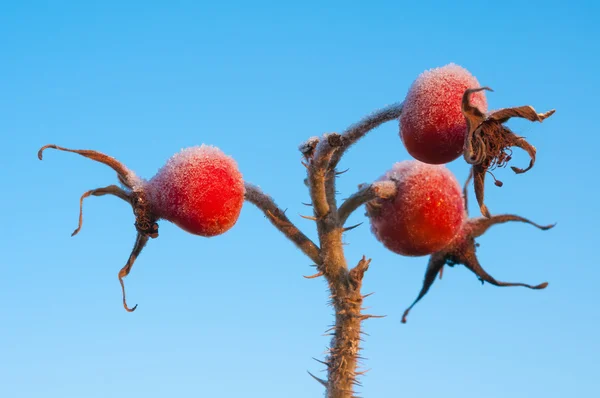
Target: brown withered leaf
{"type": "Point", "coordinates": [488, 142]}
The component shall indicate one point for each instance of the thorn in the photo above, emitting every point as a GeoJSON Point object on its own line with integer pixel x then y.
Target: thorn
{"type": "Point", "coordinates": [338, 173]}
{"type": "Point", "coordinates": [368, 294]}
{"type": "Point", "coordinates": [365, 317]}
{"type": "Point", "coordinates": [352, 227]}
{"type": "Point", "coordinates": [308, 217]}
{"type": "Point", "coordinates": [323, 362]}
{"type": "Point", "coordinates": [323, 382]}
{"type": "Point", "coordinates": [318, 274]}
{"type": "Point", "coordinates": [307, 204]}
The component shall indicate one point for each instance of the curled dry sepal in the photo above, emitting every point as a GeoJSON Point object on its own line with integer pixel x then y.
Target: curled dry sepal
{"type": "Point", "coordinates": [200, 189]}
{"type": "Point", "coordinates": [488, 141]}
{"type": "Point", "coordinates": [462, 251]}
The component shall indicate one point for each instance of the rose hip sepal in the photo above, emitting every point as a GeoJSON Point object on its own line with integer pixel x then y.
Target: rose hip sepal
{"type": "Point", "coordinates": [488, 142]}
{"type": "Point", "coordinates": [462, 251]}
{"type": "Point", "coordinates": [200, 189]}
{"type": "Point", "coordinates": [432, 126]}
{"type": "Point", "coordinates": [425, 214]}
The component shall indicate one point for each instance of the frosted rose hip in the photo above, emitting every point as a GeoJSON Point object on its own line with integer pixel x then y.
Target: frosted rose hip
{"type": "Point", "coordinates": [432, 126]}
{"type": "Point", "coordinates": [425, 215]}
{"type": "Point", "coordinates": [200, 189]}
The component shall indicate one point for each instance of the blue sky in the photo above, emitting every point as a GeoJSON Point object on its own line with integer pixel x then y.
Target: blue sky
{"type": "Point", "coordinates": [232, 316]}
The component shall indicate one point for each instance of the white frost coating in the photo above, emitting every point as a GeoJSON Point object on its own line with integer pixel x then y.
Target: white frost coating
{"type": "Point", "coordinates": [430, 177]}
{"type": "Point", "coordinates": [418, 183]}
{"type": "Point", "coordinates": [433, 102]}
{"type": "Point", "coordinates": [194, 182]}
{"type": "Point", "coordinates": [403, 171]}
{"type": "Point", "coordinates": [309, 145]}
{"type": "Point", "coordinates": [136, 182]}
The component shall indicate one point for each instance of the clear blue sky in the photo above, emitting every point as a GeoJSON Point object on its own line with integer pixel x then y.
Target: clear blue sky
{"type": "Point", "coordinates": [232, 316]}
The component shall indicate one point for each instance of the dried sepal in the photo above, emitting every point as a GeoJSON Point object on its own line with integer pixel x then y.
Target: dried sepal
{"type": "Point", "coordinates": [470, 261]}
{"type": "Point", "coordinates": [435, 267]}
{"type": "Point", "coordinates": [462, 251]}
{"type": "Point", "coordinates": [488, 141]}
{"type": "Point", "coordinates": [126, 176]}
{"type": "Point", "coordinates": [145, 220]}
{"type": "Point", "coordinates": [140, 242]}
{"type": "Point", "coordinates": [109, 190]}
{"type": "Point", "coordinates": [479, 226]}
{"type": "Point", "coordinates": [466, 191]}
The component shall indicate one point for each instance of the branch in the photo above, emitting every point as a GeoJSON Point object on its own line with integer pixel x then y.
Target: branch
{"type": "Point", "coordinates": [278, 218]}
{"type": "Point", "coordinates": [366, 193]}
{"type": "Point", "coordinates": [321, 177]}
{"type": "Point", "coordinates": [360, 129]}
{"type": "Point", "coordinates": [322, 156]}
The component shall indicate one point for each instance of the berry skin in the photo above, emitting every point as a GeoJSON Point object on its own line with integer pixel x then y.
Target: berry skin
{"type": "Point", "coordinates": [426, 214]}
{"type": "Point", "coordinates": [200, 189]}
{"type": "Point", "coordinates": [432, 126]}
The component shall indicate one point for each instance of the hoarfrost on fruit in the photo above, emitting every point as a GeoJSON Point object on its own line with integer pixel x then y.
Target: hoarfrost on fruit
{"type": "Point", "coordinates": [432, 126]}
{"type": "Point", "coordinates": [426, 214]}
{"type": "Point", "coordinates": [200, 189]}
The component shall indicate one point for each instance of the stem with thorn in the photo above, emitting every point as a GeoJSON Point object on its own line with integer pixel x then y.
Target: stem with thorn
{"type": "Point", "coordinates": [344, 284]}
{"type": "Point", "coordinates": [278, 218]}
{"type": "Point", "coordinates": [321, 158]}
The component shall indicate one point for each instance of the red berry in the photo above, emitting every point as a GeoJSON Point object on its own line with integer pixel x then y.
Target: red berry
{"type": "Point", "coordinates": [432, 125]}
{"type": "Point", "coordinates": [426, 214]}
{"type": "Point", "coordinates": [200, 189]}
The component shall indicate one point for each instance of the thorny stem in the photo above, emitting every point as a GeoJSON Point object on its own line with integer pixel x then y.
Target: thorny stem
{"type": "Point", "coordinates": [322, 156]}
{"type": "Point", "coordinates": [344, 284]}
{"type": "Point", "coordinates": [278, 218]}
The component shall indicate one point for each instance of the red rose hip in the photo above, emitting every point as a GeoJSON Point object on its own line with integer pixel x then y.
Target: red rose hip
{"type": "Point", "coordinates": [200, 189]}
{"type": "Point", "coordinates": [426, 214]}
{"type": "Point", "coordinates": [432, 126]}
